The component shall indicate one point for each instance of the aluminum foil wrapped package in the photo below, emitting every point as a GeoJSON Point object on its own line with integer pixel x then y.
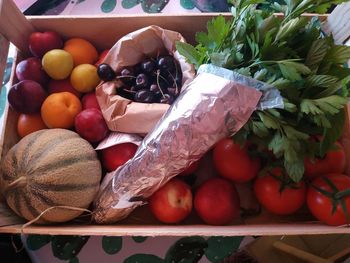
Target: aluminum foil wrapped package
{"type": "Point", "coordinates": [216, 104]}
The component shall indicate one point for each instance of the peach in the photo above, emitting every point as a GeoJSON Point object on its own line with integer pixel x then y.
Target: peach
{"type": "Point", "coordinates": [60, 109]}
{"type": "Point", "coordinates": [172, 203]}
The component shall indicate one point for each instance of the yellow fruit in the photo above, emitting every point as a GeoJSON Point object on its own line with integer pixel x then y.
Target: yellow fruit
{"type": "Point", "coordinates": [57, 63]}
{"type": "Point", "coordinates": [84, 78]}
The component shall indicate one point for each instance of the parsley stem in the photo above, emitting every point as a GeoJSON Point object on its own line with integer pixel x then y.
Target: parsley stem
{"type": "Point", "coordinates": [256, 63]}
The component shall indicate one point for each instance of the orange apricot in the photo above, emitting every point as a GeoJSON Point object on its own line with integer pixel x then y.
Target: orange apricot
{"type": "Point", "coordinates": [59, 110]}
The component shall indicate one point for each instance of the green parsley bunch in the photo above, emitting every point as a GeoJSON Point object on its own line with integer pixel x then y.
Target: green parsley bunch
{"type": "Point", "coordinates": [293, 54]}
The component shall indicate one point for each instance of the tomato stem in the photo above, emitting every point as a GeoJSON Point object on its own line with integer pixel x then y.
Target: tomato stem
{"type": "Point", "coordinates": [342, 194]}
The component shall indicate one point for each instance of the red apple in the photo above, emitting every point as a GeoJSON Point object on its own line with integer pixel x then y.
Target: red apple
{"type": "Point", "coordinates": [62, 85]}
{"type": "Point", "coordinates": [26, 96]}
{"type": "Point", "coordinates": [117, 155]}
{"type": "Point", "coordinates": [89, 101]}
{"type": "Point", "coordinates": [41, 42]}
{"type": "Point", "coordinates": [91, 125]}
{"type": "Point", "coordinates": [191, 169]}
{"type": "Point", "coordinates": [31, 69]}
{"type": "Point", "coordinates": [172, 203]}
{"type": "Point", "coordinates": [217, 201]}
{"type": "Point", "coordinates": [101, 57]}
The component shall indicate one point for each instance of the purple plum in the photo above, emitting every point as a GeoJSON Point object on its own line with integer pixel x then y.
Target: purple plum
{"type": "Point", "coordinates": [26, 96]}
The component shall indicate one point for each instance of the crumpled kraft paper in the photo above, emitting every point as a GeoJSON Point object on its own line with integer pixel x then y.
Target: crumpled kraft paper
{"type": "Point", "coordinates": [122, 114]}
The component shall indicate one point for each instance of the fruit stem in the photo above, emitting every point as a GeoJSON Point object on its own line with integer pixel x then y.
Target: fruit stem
{"type": "Point", "coordinates": [158, 75]}
{"type": "Point", "coordinates": [176, 87]}
{"type": "Point", "coordinates": [176, 75]}
{"type": "Point", "coordinates": [19, 182]}
{"type": "Point", "coordinates": [125, 76]}
{"type": "Point", "coordinates": [130, 91]}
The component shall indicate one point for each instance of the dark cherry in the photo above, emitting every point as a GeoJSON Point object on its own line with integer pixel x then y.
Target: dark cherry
{"type": "Point", "coordinates": [152, 80]}
{"type": "Point", "coordinates": [167, 99]}
{"type": "Point", "coordinates": [137, 69]}
{"type": "Point", "coordinates": [127, 72]}
{"type": "Point", "coordinates": [155, 89]}
{"type": "Point", "coordinates": [127, 76]}
{"type": "Point", "coordinates": [135, 88]}
{"type": "Point", "coordinates": [170, 78]}
{"type": "Point", "coordinates": [148, 66]}
{"type": "Point", "coordinates": [173, 91]}
{"type": "Point", "coordinates": [144, 96]}
{"type": "Point", "coordinates": [162, 82]}
{"type": "Point", "coordinates": [166, 63]}
{"type": "Point", "coordinates": [105, 72]}
{"type": "Point", "coordinates": [175, 76]}
{"type": "Point", "coordinates": [142, 80]}
{"type": "Point", "coordinates": [126, 93]}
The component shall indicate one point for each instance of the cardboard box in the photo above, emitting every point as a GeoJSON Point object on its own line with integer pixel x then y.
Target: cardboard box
{"type": "Point", "coordinates": [103, 32]}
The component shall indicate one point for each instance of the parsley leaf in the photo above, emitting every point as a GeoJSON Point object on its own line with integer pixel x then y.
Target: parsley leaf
{"type": "Point", "coordinates": [191, 54]}
{"type": "Point", "coordinates": [293, 70]}
{"type": "Point", "coordinates": [323, 81]}
{"type": "Point", "coordinates": [338, 54]}
{"type": "Point", "coordinates": [327, 105]}
{"type": "Point", "coordinates": [316, 53]}
{"type": "Point", "coordinates": [331, 134]}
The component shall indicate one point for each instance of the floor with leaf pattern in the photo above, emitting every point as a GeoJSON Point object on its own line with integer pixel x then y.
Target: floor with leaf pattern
{"type": "Point", "coordinates": [66, 7]}
{"type": "Point", "coordinates": [74, 249]}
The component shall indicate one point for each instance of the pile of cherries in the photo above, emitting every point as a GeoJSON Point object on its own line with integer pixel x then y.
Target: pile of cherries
{"type": "Point", "coordinates": [154, 80]}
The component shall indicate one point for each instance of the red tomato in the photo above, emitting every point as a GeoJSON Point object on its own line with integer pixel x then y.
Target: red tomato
{"type": "Point", "coordinates": [276, 199]}
{"type": "Point", "coordinates": [321, 205]}
{"type": "Point", "coordinates": [234, 162]}
{"type": "Point", "coordinates": [333, 162]}
{"type": "Point", "coordinates": [216, 201]}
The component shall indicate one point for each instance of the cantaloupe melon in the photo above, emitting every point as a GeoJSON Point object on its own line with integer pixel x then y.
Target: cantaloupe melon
{"type": "Point", "coordinates": [48, 168]}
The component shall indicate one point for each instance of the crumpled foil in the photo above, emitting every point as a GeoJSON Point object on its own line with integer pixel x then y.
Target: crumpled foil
{"type": "Point", "coordinates": [271, 97]}
{"type": "Point", "coordinates": [211, 107]}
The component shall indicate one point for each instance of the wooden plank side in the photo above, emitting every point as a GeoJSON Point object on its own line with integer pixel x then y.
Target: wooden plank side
{"type": "Point", "coordinates": [105, 31]}
{"type": "Point", "coordinates": [8, 137]}
{"type": "Point", "coordinates": [8, 134]}
{"type": "Point", "coordinates": [4, 48]}
{"type": "Point", "coordinates": [14, 26]}
{"type": "Point", "coordinates": [179, 230]}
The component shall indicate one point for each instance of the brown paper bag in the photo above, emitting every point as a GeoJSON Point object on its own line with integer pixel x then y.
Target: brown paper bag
{"type": "Point", "coordinates": [122, 114]}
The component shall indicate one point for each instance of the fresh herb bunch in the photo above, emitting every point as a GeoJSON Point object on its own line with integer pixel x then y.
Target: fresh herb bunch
{"type": "Point", "coordinates": [292, 54]}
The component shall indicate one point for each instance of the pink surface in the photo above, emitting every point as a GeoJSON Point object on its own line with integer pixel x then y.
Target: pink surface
{"type": "Point", "coordinates": [93, 7]}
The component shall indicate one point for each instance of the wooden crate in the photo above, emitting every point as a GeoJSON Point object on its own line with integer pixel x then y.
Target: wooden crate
{"type": "Point", "coordinates": [103, 32]}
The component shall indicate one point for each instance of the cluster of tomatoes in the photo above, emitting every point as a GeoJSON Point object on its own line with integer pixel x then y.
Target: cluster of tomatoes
{"type": "Point", "coordinates": [324, 189]}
